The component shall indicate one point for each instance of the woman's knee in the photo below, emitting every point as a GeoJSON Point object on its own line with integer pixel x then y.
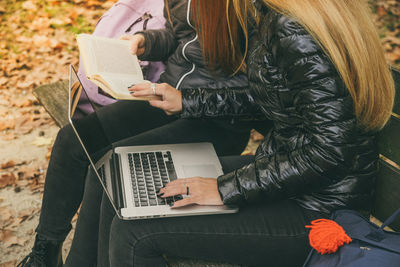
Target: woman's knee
{"type": "Point", "coordinates": [121, 237]}
{"type": "Point", "coordinates": [64, 135]}
{"type": "Point", "coordinates": [67, 139]}
{"type": "Point", "coordinates": [132, 240]}
{"type": "Point", "coordinates": [121, 243]}
{"type": "Point", "coordinates": [67, 143]}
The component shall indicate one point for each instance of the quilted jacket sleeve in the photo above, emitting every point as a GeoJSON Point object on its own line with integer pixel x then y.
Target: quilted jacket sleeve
{"type": "Point", "coordinates": [219, 103]}
{"type": "Point", "coordinates": [160, 44]}
{"type": "Point", "coordinates": [328, 126]}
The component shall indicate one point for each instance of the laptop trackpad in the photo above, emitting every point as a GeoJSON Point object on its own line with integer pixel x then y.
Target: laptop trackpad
{"type": "Point", "coordinates": [204, 170]}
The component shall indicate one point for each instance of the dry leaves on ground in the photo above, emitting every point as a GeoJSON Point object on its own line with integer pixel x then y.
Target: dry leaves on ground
{"type": "Point", "coordinates": [387, 19]}
{"type": "Point", "coordinates": [37, 45]}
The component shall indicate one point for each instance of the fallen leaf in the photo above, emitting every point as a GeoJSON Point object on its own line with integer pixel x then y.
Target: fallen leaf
{"type": "Point", "coordinates": [56, 22]}
{"type": "Point", "coordinates": [29, 5]}
{"type": "Point", "coordinates": [24, 124]}
{"type": "Point", "coordinates": [42, 141]}
{"type": "Point", "coordinates": [41, 24]}
{"type": "Point", "coordinates": [10, 239]}
{"type": "Point", "coordinates": [3, 80]}
{"type": "Point", "coordinates": [8, 164]}
{"type": "Point", "coordinates": [93, 3]}
{"type": "Point", "coordinates": [394, 55]}
{"type": "Point", "coordinates": [381, 11]}
{"type": "Point", "coordinates": [27, 214]}
{"type": "Point", "coordinates": [22, 183]}
{"type": "Point", "coordinates": [6, 215]}
{"type": "Point", "coordinates": [26, 85]}
{"type": "Point", "coordinates": [12, 263]}
{"type": "Point", "coordinates": [7, 179]}
{"type": "Point", "coordinates": [7, 124]}
{"type": "Point", "coordinates": [9, 137]}
{"type": "Point", "coordinates": [48, 154]}
{"type": "Point", "coordinates": [22, 102]}
{"type": "Point", "coordinates": [108, 4]}
{"type": "Point", "coordinates": [4, 102]}
{"type": "Point", "coordinates": [29, 172]}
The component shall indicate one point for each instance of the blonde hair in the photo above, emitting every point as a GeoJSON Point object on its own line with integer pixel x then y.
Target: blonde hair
{"type": "Point", "coordinates": [345, 31]}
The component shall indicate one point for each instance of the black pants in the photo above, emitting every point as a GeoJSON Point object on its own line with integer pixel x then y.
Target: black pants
{"type": "Point", "coordinates": [125, 123]}
{"type": "Point", "coordinates": [265, 234]}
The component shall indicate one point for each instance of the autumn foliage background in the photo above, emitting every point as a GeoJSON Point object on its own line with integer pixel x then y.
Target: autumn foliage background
{"type": "Point", "coordinates": [37, 43]}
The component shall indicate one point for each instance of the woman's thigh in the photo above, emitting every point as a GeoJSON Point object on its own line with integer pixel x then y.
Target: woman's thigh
{"type": "Point", "coordinates": [128, 118]}
{"type": "Point", "coordinates": [225, 141]}
{"type": "Point", "coordinates": [105, 126]}
{"type": "Point", "coordinates": [266, 234]}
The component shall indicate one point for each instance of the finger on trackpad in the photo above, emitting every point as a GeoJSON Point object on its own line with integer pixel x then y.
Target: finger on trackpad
{"type": "Point", "coordinates": [202, 170]}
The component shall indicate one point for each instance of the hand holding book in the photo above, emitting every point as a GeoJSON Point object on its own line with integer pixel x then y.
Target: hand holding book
{"type": "Point", "coordinates": [170, 98]}
{"type": "Point", "coordinates": [137, 43]}
{"type": "Point", "coordinates": [110, 64]}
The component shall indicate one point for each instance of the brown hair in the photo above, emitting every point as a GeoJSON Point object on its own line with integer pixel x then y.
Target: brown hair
{"type": "Point", "coordinates": [222, 34]}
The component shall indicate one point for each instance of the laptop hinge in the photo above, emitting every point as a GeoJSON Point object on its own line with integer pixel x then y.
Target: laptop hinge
{"type": "Point", "coordinates": [118, 184]}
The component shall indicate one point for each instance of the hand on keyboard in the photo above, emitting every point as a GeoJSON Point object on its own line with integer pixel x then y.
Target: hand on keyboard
{"type": "Point", "coordinates": [202, 191]}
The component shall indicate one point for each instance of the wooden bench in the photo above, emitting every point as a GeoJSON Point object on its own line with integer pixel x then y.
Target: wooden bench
{"type": "Point", "coordinates": [387, 195]}
{"type": "Point", "coordinates": [54, 97]}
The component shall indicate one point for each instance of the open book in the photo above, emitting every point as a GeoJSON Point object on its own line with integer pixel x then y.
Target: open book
{"type": "Point", "coordinates": [110, 65]}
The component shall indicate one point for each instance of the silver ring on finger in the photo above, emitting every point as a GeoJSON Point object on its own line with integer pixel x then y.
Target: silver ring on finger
{"type": "Point", "coordinates": [153, 87]}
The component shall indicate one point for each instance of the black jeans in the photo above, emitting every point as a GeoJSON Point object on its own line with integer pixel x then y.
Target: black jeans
{"type": "Point", "coordinates": [263, 234]}
{"type": "Point", "coordinates": [125, 123]}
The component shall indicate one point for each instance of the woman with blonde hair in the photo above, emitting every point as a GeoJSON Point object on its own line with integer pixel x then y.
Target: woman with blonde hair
{"type": "Point", "coordinates": [317, 70]}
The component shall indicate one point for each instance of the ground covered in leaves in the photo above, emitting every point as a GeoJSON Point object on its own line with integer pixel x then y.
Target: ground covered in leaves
{"type": "Point", "coordinates": [36, 46]}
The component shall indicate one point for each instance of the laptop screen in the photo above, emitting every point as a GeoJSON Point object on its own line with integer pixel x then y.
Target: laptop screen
{"type": "Point", "coordinates": [88, 128]}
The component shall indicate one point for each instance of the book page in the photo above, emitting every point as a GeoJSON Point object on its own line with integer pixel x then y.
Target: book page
{"type": "Point", "coordinates": [111, 56]}
{"type": "Point", "coordinates": [120, 83]}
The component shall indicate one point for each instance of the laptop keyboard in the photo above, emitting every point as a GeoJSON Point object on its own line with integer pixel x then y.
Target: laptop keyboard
{"type": "Point", "coordinates": [150, 171]}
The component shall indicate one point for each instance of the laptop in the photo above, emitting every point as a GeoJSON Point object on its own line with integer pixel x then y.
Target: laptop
{"type": "Point", "coordinates": [131, 175]}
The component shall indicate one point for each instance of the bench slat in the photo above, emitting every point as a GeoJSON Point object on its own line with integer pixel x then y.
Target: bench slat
{"type": "Point", "coordinates": [387, 196]}
{"type": "Point", "coordinates": [181, 262]}
{"type": "Point", "coordinates": [54, 98]}
{"type": "Point", "coordinates": [389, 140]}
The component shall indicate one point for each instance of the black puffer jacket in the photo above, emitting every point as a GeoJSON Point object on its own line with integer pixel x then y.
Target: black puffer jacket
{"type": "Point", "coordinates": [178, 44]}
{"type": "Point", "coordinates": [315, 153]}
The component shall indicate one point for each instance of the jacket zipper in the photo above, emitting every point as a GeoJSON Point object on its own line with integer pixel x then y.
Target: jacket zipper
{"type": "Point", "coordinates": [185, 46]}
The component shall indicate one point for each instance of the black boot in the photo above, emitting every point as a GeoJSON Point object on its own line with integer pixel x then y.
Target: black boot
{"type": "Point", "coordinates": [45, 253]}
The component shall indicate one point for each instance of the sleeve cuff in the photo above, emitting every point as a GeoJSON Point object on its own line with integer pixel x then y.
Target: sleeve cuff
{"type": "Point", "coordinates": [148, 44]}
{"type": "Point", "coordinates": [229, 189]}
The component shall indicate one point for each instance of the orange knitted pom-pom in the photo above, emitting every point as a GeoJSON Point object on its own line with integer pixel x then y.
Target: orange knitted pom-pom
{"type": "Point", "coordinates": [326, 236]}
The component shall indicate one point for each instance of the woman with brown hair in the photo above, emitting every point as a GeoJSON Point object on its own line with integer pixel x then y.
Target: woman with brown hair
{"type": "Point", "coordinates": [128, 123]}
{"type": "Point", "coordinates": [317, 70]}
